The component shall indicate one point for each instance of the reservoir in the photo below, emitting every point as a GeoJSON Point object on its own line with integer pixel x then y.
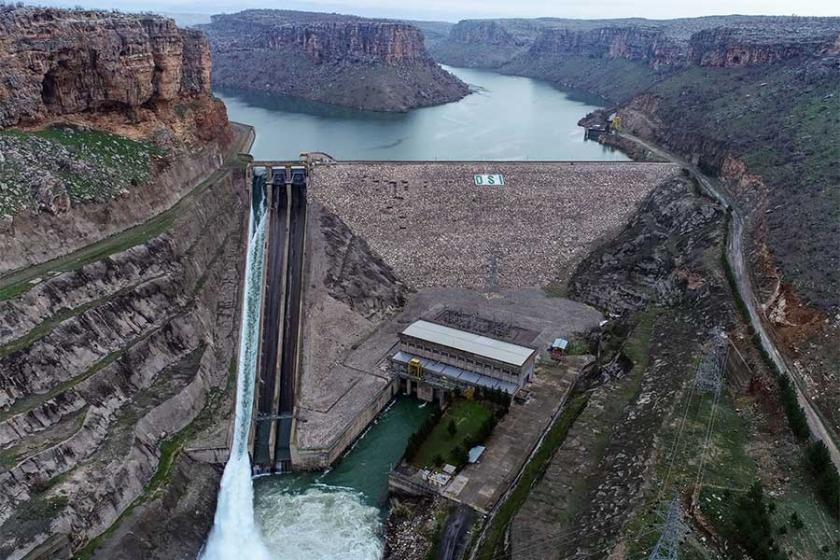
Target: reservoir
{"type": "Point", "coordinates": [338, 513]}
{"type": "Point", "coordinates": [506, 118]}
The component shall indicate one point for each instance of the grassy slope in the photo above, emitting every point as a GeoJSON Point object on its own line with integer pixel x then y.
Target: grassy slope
{"type": "Point", "coordinates": [91, 164]}
{"type": "Point", "coordinates": [613, 79]}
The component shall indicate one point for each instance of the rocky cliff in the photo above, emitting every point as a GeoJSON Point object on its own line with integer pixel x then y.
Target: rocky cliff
{"type": "Point", "coordinates": [644, 44]}
{"type": "Point", "coordinates": [748, 45]}
{"type": "Point", "coordinates": [59, 62]}
{"type": "Point", "coordinates": [529, 46]}
{"type": "Point", "coordinates": [105, 120]}
{"type": "Point", "coordinates": [343, 60]}
{"type": "Point", "coordinates": [108, 370]}
{"type": "Point", "coordinates": [122, 209]}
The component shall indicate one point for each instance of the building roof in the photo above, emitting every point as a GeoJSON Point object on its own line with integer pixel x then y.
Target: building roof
{"type": "Point", "coordinates": [560, 343]}
{"type": "Point", "coordinates": [486, 347]}
{"type": "Point", "coordinates": [475, 453]}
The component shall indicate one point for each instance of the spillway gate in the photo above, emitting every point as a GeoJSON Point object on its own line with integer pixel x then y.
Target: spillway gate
{"type": "Point", "coordinates": [282, 185]}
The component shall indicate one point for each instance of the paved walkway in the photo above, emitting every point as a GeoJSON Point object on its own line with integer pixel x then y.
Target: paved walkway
{"type": "Point", "coordinates": [481, 485]}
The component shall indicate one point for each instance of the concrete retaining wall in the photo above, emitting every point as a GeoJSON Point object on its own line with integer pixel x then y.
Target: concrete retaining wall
{"type": "Point", "coordinates": [323, 457]}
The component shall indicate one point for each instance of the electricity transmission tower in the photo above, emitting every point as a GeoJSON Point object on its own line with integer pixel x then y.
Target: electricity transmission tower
{"type": "Point", "coordinates": [493, 276]}
{"type": "Point", "coordinates": [672, 531]}
{"type": "Point", "coordinates": [709, 376]}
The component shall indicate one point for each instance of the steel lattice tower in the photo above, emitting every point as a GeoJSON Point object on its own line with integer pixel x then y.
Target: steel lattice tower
{"type": "Point", "coordinates": [672, 531]}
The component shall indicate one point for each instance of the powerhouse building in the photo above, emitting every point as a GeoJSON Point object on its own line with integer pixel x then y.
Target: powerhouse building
{"type": "Point", "coordinates": [434, 359]}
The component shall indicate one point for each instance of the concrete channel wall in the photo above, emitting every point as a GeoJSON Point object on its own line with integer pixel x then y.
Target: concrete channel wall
{"type": "Point", "coordinates": [323, 457]}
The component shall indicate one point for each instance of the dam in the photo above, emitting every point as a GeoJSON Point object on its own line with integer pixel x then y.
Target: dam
{"type": "Point", "coordinates": [349, 243]}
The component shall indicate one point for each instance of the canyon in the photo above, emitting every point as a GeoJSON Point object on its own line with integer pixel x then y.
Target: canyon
{"type": "Point", "coordinates": [123, 220]}
{"type": "Point", "coordinates": [122, 208]}
{"type": "Point", "coordinates": [340, 60]}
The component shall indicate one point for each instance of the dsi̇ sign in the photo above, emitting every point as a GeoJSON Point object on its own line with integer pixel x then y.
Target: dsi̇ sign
{"type": "Point", "coordinates": [491, 180]}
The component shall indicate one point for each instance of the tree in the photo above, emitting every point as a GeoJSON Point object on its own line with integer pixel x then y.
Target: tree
{"type": "Point", "coordinates": [461, 456]}
{"type": "Point", "coordinates": [452, 428]}
{"type": "Point", "coordinates": [751, 526]}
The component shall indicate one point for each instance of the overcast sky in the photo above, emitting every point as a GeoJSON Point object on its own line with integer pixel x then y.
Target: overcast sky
{"type": "Point", "coordinates": [454, 10]}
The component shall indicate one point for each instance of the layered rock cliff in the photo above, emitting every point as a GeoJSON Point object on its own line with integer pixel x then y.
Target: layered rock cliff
{"type": "Point", "coordinates": [59, 62]}
{"type": "Point", "coordinates": [342, 60]}
{"type": "Point", "coordinates": [644, 44]}
{"type": "Point", "coordinates": [532, 47]}
{"type": "Point", "coordinates": [122, 210]}
{"type": "Point", "coordinates": [95, 109]}
{"type": "Point", "coordinates": [108, 370]}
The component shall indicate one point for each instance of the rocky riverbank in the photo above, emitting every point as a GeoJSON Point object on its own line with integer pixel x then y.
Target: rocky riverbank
{"type": "Point", "coordinates": [341, 60]}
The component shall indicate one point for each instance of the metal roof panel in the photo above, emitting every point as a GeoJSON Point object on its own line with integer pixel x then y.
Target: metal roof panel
{"type": "Point", "coordinates": [479, 345]}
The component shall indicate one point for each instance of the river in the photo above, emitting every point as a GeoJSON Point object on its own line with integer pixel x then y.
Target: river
{"type": "Point", "coordinates": [338, 513]}
{"type": "Point", "coordinates": [507, 118]}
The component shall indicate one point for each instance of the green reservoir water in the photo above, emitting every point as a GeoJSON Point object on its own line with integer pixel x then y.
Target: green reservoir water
{"type": "Point", "coordinates": [507, 118]}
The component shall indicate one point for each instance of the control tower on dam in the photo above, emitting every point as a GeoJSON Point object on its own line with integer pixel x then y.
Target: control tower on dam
{"type": "Point", "coordinates": [284, 185]}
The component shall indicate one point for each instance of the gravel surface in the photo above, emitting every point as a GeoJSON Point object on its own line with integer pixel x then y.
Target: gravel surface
{"type": "Point", "coordinates": [437, 229]}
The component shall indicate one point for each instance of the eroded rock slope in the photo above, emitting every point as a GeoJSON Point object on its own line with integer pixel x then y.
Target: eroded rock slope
{"type": "Point", "coordinates": [342, 60]}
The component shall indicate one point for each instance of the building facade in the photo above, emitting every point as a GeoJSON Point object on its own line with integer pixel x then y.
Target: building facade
{"type": "Point", "coordinates": [433, 360]}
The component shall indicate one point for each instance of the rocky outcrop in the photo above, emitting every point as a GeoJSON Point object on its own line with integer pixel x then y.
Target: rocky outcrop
{"type": "Point", "coordinates": [343, 60]}
{"type": "Point", "coordinates": [487, 32]}
{"type": "Point", "coordinates": [357, 276]}
{"type": "Point", "coordinates": [644, 44]}
{"type": "Point", "coordinates": [59, 62]}
{"type": "Point", "coordinates": [104, 363]}
{"type": "Point", "coordinates": [115, 122]}
{"type": "Point", "coordinates": [736, 47]}
{"type": "Point", "coordinates": [657, 258]}
{"type": "Point", "coordinates": [529, 47]}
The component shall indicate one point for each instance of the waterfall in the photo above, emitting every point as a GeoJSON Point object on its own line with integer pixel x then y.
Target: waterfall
{"type": "Point", "coordinates": [235, 535]}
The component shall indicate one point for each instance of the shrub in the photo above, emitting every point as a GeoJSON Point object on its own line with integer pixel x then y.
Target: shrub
{"type": "Point", "coordinates": [818, 461]}
{"type": "Point", "coordinates": [750, 526]}
{"type": "Point", "coordinates": [795, 414]}
{"type": "Point", "coordinates": [452, 428]}
{"type": "Point", "coordinates": [418, 437]}
{"type": "Point", "coordinates": [461, 456]}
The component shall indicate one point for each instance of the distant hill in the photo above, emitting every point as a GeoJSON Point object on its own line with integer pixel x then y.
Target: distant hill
{"type": "Point", "coordinates": [343, 60]}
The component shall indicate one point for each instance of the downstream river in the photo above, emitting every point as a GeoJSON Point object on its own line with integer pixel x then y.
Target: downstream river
{"type": "Point", "coordinates": [507, 117]}
{"type": "Point", "coordinates": [339, 513]}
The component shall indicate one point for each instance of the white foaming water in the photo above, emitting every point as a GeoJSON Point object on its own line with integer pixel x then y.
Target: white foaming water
{"type": "Point", "coordinates": [320, 523]}
{"type": "Point", "coordinates": [235, 535]}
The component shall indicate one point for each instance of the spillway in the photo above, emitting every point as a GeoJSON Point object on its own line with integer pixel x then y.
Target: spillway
{"type": "Point", "coordinates": [235, 534]}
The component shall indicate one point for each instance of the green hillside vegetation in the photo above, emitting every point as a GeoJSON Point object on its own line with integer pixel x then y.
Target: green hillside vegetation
{"type": "Point", "coordinates": [89, 165]}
